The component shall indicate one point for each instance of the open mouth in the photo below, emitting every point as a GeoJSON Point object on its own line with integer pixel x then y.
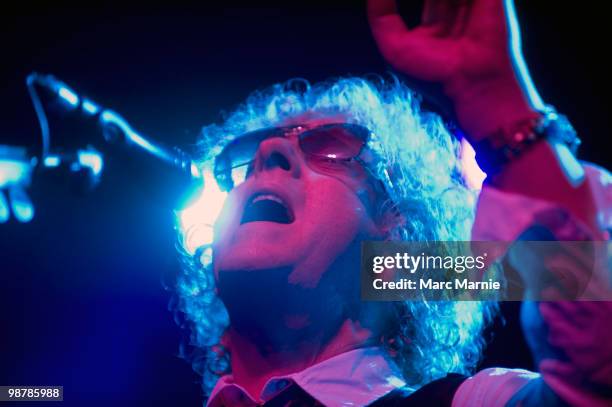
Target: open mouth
{"type": "Point", "coordinates": [266, 208]}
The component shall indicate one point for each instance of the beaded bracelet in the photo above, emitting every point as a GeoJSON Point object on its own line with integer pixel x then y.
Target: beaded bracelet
{"type": "Point", "coordinates": [507, 144]}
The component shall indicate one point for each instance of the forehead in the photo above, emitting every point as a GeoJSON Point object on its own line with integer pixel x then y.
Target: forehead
{"type": "Point", "coordinates": [313, 119]}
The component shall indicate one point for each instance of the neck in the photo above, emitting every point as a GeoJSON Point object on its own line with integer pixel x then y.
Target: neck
{"type": "Point", "coordinates": [252, 366]}
{"type": "Point", "coordinates": [281, 328]}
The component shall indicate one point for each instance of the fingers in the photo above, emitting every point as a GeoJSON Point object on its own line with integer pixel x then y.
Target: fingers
{"type": "Point", "coordinates": [381, 8]}
{"type": "Point", "coordinates": [18, 202]}
{"type": "Point", "coordinates": [490, 7]}
{"type": "Point", "coordinates": [417, 52]}
{"type": "Point", "coordinates": [489, 16]}
{"type": "Point", "coordinates": [385, 22]}
{"type": "Point", "coordinates": [4, 209]}
{"type": "Point", "coordinates": [22, 207]}
{"type": "Point", "coordinates": [15, 172]}
{"type": "Point", "coordinates": [445, 12]}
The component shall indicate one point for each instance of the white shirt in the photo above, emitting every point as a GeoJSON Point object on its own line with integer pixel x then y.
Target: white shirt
{"type": "Point", "coordinates": [362, 376]}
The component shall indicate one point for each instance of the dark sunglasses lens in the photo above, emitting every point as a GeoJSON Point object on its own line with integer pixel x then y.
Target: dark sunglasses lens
{"type": "Point", "coordinates": [340, 142]}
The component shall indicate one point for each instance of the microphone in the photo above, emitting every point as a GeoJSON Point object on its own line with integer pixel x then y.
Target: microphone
{"type": "Point", "coordinates": [81, 163]}
{"type": "Point", "coordinates": [204, 199]}
{"type": "Point", "coordinates": [115, 129]}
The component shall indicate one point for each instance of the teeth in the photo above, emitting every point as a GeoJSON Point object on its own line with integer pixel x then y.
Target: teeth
{"type": "Point", "coordinates": [269, 197]}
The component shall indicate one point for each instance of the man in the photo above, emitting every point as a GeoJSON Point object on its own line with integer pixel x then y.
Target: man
{"type": "Point", "coordinates": [311, 173]}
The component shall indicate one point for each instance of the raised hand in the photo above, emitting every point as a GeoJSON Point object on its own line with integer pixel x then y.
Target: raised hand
{"type": "Point", "coordinates": [471, 48]}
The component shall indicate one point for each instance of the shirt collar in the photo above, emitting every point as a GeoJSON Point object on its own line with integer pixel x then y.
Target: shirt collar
{"type": "Point", "coordinates": [354, 378]}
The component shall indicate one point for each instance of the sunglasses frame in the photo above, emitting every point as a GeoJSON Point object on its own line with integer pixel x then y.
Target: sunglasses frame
{"type": "Point", "coordinates": [366, 157]}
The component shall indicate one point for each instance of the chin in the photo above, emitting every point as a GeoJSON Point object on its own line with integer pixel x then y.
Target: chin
{"type": "Point", "coordinates": [254, 255]}
{"type": "Point", "coordinates": [260, 245]}
{"type": "Point", "coordinates": [250, 260]}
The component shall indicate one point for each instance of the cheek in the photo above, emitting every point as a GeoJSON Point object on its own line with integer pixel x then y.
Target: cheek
{"type": "Point", "coordinates": [331, 201]}
{"type": "Point", "coordinates": [334, 208]}
{"type": "Point", "coordinates": [336, 218]}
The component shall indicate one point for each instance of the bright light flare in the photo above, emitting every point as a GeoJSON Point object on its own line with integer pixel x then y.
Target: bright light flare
{"type": "Point", "coordinates": [473, 175]}
{"type": "Point", "coordinates": [197, 219]}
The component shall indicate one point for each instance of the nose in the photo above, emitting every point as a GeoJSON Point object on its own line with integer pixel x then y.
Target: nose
{"type": "Point", "coordinates": [279, 153]}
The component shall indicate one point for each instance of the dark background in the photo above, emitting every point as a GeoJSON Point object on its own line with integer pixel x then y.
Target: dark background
{"type": "Point", "coordinates": [82, 302]}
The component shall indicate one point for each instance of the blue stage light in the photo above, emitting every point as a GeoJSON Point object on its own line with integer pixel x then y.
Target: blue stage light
{"type": "Point", "coordinates": [472, 173]}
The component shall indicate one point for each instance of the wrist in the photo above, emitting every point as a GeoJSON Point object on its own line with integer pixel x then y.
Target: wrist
{"type": "Point", "coordinates": [485, 107]}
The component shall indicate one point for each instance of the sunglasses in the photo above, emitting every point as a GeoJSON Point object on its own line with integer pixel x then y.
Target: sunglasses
{"type": "Point", "coordinates": [328, 149]}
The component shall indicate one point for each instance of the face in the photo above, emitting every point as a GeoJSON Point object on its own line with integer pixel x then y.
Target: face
{"type": "Point", "coordinates": [286, 215]}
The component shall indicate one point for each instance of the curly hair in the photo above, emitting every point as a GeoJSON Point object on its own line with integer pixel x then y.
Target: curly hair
{"type": "Point", "coordinates": [430, 338]}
